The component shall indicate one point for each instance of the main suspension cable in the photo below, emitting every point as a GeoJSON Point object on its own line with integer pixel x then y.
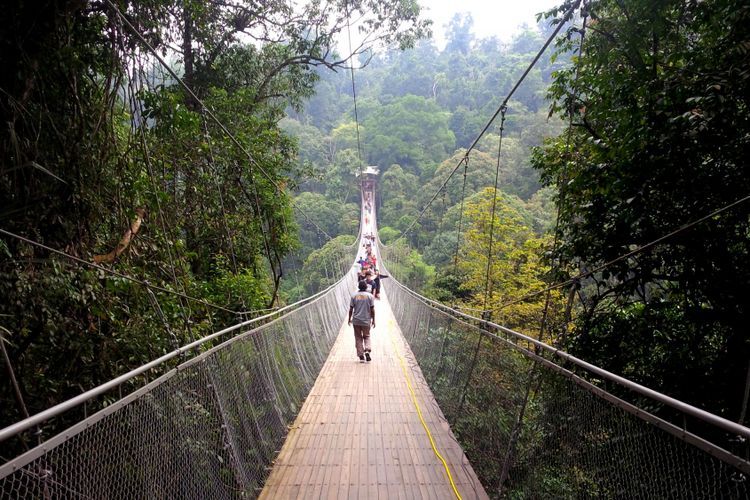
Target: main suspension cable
{"type": "Point", "coordinates": [113, 272]}
{"type": "Point", "coordinates": [502, 106]}
{"type": "Point", "coordinates": [575, 279]}
{"type": "Point", "coordinates": [539, 54]}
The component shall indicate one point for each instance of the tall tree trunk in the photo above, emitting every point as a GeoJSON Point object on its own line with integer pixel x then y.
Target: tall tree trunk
{"type": "Point", "coordinates": [188, 55]}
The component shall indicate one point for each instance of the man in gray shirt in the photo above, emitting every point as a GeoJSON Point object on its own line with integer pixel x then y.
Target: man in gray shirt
{"type": "Point", "coordinates": [362, 315]}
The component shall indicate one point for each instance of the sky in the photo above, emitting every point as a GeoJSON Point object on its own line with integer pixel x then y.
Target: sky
{"type": "Point", "coordinates": [500, 18]}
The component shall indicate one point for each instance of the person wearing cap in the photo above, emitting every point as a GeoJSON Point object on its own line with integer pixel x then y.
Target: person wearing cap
{"type": "Point", "coordinates": [362, 317]}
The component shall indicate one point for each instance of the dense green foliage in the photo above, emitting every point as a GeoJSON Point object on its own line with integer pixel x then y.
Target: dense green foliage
{"type": "Point", "coordinates": [418, 112]}
{"type": "Point", "coordinates": [107, 159]}
{"type": "Point", "coordinates": [660, 138]}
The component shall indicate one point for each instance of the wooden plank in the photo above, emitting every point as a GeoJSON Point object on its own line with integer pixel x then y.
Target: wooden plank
{"type": "Point", "coordinates": [331, 480]}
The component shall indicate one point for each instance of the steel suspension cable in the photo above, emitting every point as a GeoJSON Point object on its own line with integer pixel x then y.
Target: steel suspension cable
{"type": "Point", "coordinates": [562, 178]}
{"type": "Point", "coordinates": [113, 272]}
{"type": "Point", "coordinates": [17, 393]}
{"type": "Point", "coordinates": [434, 196]}
{"type": "Point", "coordinates": [568, 14]}
{"type": "Point", "coordinates": [627, 255]}
{"type": "Point", "coordinates": [230, 240]}
{"type": "Point", "coordinates": [487, 276]}
{"type": "Point", "coordinates": [212, 115]}
{"type": "Point", "coordinates": [487, 281]}
{"type": "Point", "coordinates": [486, 314]}
{"type": "Point", "coordinates": [82, 398]}
{"type": "Point", "coordinates": [242, 315]}
{"type": "Point", "coordinates": [532, 375]}
{"type": "Point", "coordinates": [442, 216]}
{"type": "Point", "coordinates": [149, 167]}
{"type": "Point", "coordinates": [503, 105]}
{"type": "Point", "coordinates": [212, 166]}
{"type": "Point", "coordinates": [264, 231]}
{"type": "Point", "coordinates": [460, 215]}
{"type": "Point", "coordinates": [354, 91]}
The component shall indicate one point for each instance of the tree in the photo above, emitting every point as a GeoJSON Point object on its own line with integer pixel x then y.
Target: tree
{"type": "Point", "coordinates": [328, 264]}
{"type": "Point", "coordinates": [99, 143]}
{"type": "Point", "coordinates": [398, 189]}
{"type": "Point", "coordinates": [458, 35]}
{"type": "Point", "coordinates": [465, 124]}
{"type": "Point", "coordinates": [412, 132]}
{"type": "Point", "coordinates": [312, 148]}
{"type": "Point", "coordinates": [286, 43]}
{"type": "Point", "coordinates": [334, 217]}
{"type": "Point", "coordinates": [344, 136]}
{"type": "Point", "coordinates": [341, 177]}
{"type": "Point", "coordinates": [527, 41]}
{"type": "Point", "coordinates": [516, 175]}
{"type": "Point", "coordinates": [659, 139]}
{"type": "Point", "coordinates": [412, 72]}
{"type": "Point", "coordinates": [516, 267]}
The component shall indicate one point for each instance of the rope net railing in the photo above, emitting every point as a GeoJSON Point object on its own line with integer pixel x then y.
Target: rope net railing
{"type": "Point", "coordinates": [536, 426]}
{"type": "Point", "coordinates": [208, 428]}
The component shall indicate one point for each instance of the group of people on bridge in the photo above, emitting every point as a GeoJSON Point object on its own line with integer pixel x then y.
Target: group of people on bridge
{"type": "Point", "coordinates": [368, 268]}
{"type": "Point", "coordinates": [362, 304]}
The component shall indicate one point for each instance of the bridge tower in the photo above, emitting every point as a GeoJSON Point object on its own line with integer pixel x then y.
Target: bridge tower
{"type": "Point", "coordinates": [369, 181]}
{"type": "Point", "coordinates": [369, 178]}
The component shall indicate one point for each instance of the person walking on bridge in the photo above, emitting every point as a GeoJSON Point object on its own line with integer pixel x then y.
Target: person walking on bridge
{"type": "Point", "coordinates": [362, 315]}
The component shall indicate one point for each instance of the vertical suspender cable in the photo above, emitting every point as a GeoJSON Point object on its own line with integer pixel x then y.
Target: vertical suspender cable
{"type": "Point", "coordinates": [185, 308]}
{"type": "Point", "coordinates": [461, 214]}
{"type": "Point", "coordinates": [16, 388]}
{"type": "Point", "coordinates": [512, 443]}
{"type": "Point", "coordinates": [354, 91]}
{"type": "Point", "coordinates": [230, 240]}
{"type": "Point", "coordinates": [487, 280]}
{"type": "Point", "coordinates": [504, 104]}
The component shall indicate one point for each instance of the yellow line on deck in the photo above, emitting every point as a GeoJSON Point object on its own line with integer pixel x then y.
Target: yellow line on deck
{"type": "Point", "coordinates": [421, 418]}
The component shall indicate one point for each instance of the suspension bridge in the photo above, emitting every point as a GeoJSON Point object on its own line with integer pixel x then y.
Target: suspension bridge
{"type": "Point", "coordinates": [451, 406]}
{"type": "Point", "coordinates": [284, 409]}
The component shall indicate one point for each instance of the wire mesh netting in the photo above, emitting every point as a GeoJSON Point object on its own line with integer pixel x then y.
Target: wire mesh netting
{"type": "Point", "coordinates": [208, 429]}
{"type": "Point", "coordinates": [534, 429]}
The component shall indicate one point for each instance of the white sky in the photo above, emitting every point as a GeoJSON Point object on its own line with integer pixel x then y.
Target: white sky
{"type": "Point", "coordinates": [500, 18]}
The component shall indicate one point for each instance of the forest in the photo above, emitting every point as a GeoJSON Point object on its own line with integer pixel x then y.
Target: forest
{"type": "Point", "coordinates": [133, 222]}
{"type": "Point", "coordinates": [417, 116]}
{"type": "Point", "coordinates": [618, 170]}
{"type": "Point", "coordinates": [643, 132]}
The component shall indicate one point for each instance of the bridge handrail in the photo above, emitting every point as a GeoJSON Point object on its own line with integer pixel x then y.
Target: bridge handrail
{"type": "Point", "coordinates": [43, 416]}
{"type": "Point", "coordinates": [685, 408]}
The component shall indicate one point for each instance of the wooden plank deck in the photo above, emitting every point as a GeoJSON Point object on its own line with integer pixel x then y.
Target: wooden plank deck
{"type": "Point", "coordinates": [358, 435]}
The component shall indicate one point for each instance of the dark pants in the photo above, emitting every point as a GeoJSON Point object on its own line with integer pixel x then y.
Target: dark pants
{"type": "Point", "coordinates": [362, 339]}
